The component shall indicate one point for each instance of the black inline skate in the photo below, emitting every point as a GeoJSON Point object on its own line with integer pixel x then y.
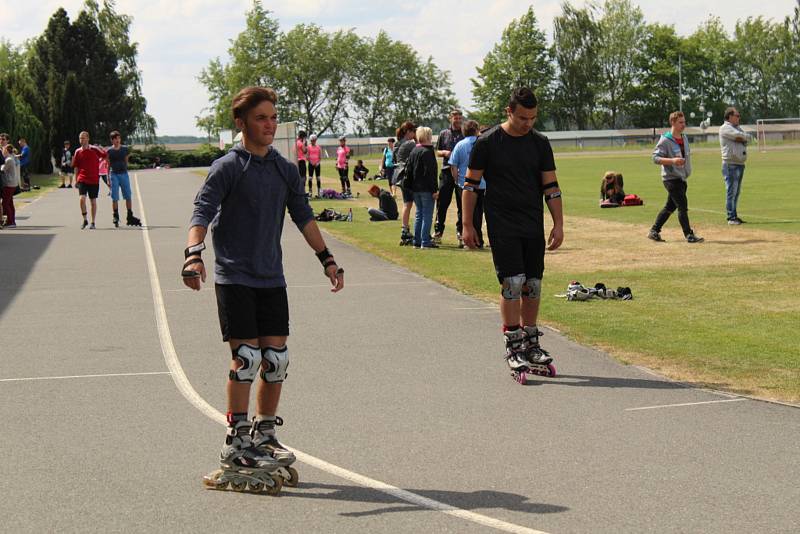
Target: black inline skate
{"type": "Point", "coordinates": [133, 221]}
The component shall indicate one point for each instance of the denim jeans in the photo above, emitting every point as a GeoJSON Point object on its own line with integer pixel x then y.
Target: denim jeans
{"type": "Point", "coordinates": [423, 218]}
{"type": "Point", "coordinates": [733, 175]}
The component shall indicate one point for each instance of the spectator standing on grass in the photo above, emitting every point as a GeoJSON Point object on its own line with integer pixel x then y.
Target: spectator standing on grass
{"type": "Point", "coordinates": [444, 145]}
{"type": "Point", "coordinates": [733, 142]}
{"type": "Point", "coordinates": [406, 142]}
{"type": "Point", "coordinates": [314, 164]}
{"type": "Point", "coordinates": [387, 206]}
{"type": "Point", "coordinates": [387, 163]}
{"type": "Point", "coordinates": [86, 163]}
{"type": "Point", "coordinates": [9, 175]}
{"type": "Point", "coordinates": [66, 165]}
{"type": "Point", "coordinates": [673, 154]}
{"type": "Point", "coordinates": [459, 162]}
{"type": "Point", "coordinates": [421, 178]}
{"type": "Point", "coordinates": [343, 153]}
{"type": "Point", "coordinates": [25, 163]}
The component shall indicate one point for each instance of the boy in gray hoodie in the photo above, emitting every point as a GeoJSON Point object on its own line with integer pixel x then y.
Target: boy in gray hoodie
{"type": "Point", "coordinates": [673, 154]}
{"type": "Point", "coordinates": [244, 202]}
{"type": "Point", "coordinates": [733, 144]}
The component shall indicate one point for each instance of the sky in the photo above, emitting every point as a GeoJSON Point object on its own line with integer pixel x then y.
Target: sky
{"type": "Point", "coordinates": [177, 38]}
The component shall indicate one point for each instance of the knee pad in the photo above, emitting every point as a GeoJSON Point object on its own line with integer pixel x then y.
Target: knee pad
{"type": "Point", "coordinates": [512, 287]}
{"type": "Point", "coordinates": [532, 288]}
{"type": "Point", "coordinates": [249, 358]}
{"type": "Point", "coordinates": [274, 364]}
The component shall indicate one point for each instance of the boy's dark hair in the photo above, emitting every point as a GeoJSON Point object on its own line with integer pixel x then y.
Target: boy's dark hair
{"type": "Point", "coordinates": [524, 97]}
{"type": "Point", "coordinates": [470, 128]}
{"type": "Point", "coordinates": [250, 97]}
{"type": "Point", "coordinates": [114, 134]}
{"type": "Point", "coordinates": [361, 162]}
{"type": "Point", "coordinates": [301, 134]}
{"type": "Point", "coordinates": [391, 140]}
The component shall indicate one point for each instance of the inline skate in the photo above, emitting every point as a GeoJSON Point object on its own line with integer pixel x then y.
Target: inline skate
{"type": "Point", "coordinates": [263, 436]}
{"type": "Point", "coordinates": [244, 467]}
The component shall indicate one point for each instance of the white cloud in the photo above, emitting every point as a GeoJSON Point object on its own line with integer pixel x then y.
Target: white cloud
{"type": "Point", "coordinates": [177, 38]}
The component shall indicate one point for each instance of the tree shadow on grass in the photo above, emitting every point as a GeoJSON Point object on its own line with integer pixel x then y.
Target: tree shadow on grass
{"type": "Point", "coordinates": [473, 500]}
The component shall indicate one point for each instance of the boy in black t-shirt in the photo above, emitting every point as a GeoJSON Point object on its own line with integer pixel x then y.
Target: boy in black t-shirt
{"type": "Point", "coordinates": [518, 166]}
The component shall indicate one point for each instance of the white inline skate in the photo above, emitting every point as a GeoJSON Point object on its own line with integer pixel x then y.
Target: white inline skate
{"type": "Point", "coordinates": [264, 440]}
{"type": "Point", "coordinates": [539, 360]}
{"type": "Point", "coordinates": [244, 467]}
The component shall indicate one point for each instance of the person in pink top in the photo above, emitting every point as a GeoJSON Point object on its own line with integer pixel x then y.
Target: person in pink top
{"type": "Point", "coordinates": [104, 174]}
{"type": "Point", "coordinates": [314, 158]}
{"type": "Point", "coordinates": [300, 148]}
{"type": "Point", "coordinates": [342, 157]}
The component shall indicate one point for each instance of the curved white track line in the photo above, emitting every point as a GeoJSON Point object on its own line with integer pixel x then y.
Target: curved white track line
{"type": "Point", "coordinates": [186, 389]}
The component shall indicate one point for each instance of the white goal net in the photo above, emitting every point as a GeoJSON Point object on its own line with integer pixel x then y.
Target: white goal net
{"type": "Point", "coordinates": [774, 132]}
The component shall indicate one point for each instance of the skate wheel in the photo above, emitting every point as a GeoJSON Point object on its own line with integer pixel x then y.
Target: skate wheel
{"type": "Point", "coordinates": [238, 486]}
{"type": "Point", "coordinates": [256, 487]}
{"type": "Point", "coordinates": [294, 477]}
{"type": "Point", "coordinates": [275, 489]}
{"type": "Point", "coordinates": [520, 377]}
{"type": "Point", "coordinates": [551, 369]}
{"type": "Point", "coordinates": [212, 481]}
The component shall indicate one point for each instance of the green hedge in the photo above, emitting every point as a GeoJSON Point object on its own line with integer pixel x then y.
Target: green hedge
{"type": "Point", "coordinates": [201, 157]}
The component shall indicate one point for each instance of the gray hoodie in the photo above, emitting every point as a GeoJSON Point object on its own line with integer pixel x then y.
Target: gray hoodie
{"type": "Point", "coordinates": [243, 201]}
{"type": "Point", "coordinates": [733, 151]}
{"type": "Point", "coordinates": [668, 148]}
{"type": "Point", "coordinates": [9, 172]}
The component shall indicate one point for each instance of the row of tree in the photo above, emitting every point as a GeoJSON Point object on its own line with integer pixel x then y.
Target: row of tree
{"type": "Point", "coordinates": [608, 68]}
{"type": "Point", "coordinates": [79, 75]}
{"type": "Point", "coordinates": [327, 81]}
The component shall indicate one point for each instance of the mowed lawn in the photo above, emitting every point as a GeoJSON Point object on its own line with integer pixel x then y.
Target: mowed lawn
{"type": "Point", "coordinates": [723, 314]}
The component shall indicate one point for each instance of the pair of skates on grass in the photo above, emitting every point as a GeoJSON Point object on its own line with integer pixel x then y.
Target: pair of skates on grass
{"type": "Point", "coordinates": [252, 459]}
{"type": "Point", "coordinates": [525, 356]}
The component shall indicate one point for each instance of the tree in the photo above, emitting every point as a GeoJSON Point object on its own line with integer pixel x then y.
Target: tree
{"type": "Point", "coordinates": [521, 58]}
{"type": "Point", "coordinates": [115, 28]}
{"type": "Point", "coordinates": [317, 76]}
{"type": "Point", "coordinates": [575, 36]}
{"type": "Point", "coordinates": [622, 27]}
{"type": "Point", "coordinates": [255, 58]}
{"type": "Point", "coordinates": [711, 79]}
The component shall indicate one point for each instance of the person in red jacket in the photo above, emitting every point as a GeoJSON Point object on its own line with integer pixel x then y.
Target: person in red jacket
{"type": "Point", "coordinates": [86, 163]}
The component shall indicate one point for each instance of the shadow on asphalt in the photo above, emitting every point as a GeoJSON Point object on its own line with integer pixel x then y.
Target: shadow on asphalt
{"type": "Point", "coordinates": [612, 382]}
{"type": "Point", "coordinates": [29, 228]}
{"type": "Point", "coordinates": [18, 254]}
{"type": "Point", "coordinates": [473, 500]}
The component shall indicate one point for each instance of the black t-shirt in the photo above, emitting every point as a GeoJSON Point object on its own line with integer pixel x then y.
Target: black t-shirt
{"type": "Point", "coordinates": [513, 167]}
{"type": "Point", "coordinates": [116, 157]}
{"type": "Point", "coordinates": [387, 204]}
{"type": "Point", "coordinates": [448, 139]}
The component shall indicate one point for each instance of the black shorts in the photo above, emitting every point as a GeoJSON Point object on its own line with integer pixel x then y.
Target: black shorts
{"type": "Point", "coordinates": [518, 255]}
{"type": "Point", "coordinates": [301, 166]}
{"type": "Point", "coordinates": [313, 169]}
{"type": "Point", "coordinates": [87, 189]}
{"type": "Point", "coordinates": [408, 195]}
{"type": "Point", "coordinates": [252, 312]}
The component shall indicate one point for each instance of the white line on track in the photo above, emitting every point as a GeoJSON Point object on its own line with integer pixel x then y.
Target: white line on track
{"type": "Point", "coordinates": [186, 389]}
{"type": "Point", "coordinates": [80, 376]}
{"type": "Point", "coordinates": [684, 404]}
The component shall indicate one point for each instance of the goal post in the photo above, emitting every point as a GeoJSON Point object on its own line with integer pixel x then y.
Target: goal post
{"type": "Point", "coordinates": [777, 131]}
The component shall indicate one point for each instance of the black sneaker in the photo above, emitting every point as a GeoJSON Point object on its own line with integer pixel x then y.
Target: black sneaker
{"type": "Point", "coordinates": [432, 244]}
{"type": "Point", "coordinates": [738, 220]}
{"type": "Point", "coordinates": [85, 224]}
{"type": "Point", "coordinates": [691, 238]}
{"type": "Point", "coordinates": [655, 236]}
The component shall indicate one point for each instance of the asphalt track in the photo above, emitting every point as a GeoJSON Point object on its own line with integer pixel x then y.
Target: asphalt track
{"type": "Point", "coordinates": [397, 398]}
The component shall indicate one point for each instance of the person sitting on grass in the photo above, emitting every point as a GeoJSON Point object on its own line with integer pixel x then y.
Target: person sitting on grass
{"type": "Point", "coordinates": [611, 188]}
{"type": "Point", "coordinates": [360, 172]}
{"type": "Point", "coordinates": [387, 206]}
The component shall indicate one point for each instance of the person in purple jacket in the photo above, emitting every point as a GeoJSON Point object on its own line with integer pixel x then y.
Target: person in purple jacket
{"type": "Point", "coordinates": [244, 201]}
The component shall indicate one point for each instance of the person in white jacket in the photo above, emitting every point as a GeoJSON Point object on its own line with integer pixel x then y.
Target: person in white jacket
{"type": "Point", "coordinates": [733, 143]}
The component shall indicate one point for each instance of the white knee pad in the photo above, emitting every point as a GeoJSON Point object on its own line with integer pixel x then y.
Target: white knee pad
{"type": "Point", "coordinates": [512, 287]}
{"type": "Point", "coordinates": [274, 364]}
{"type": "Point", "coordinates": [249, 359]}
{"type": "Point", "coordinates": [532, 288]}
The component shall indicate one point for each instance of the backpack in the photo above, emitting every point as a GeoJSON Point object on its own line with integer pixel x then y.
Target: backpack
{"type": "Point", "coordinates": [632, 200]}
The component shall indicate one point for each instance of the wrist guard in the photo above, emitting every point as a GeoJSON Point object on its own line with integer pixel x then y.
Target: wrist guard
{"type": "Point", "coordinates": [190, 274]}
{"type": "Point", "coordinates": [194, 249]}
{"type": "Point", "coordinates": [323, 255]}
{"type": "Point", "coordinates": [552, 196]}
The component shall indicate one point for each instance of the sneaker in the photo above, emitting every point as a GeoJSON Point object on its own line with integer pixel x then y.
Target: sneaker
{"type": "Point", "coordinates": [429, 245]}
{"type": "Point", "coordinates": [655, 236]}
{"type": "Point", "coordinates": [737, 219]}
{"type": "Point", "coordinates": [10, 226]}
{"type": "Point", "coordinates": [691, 238]}
{"type": "Point", "coordinates": [92, 226]}
{"type": "Point", "coordinates": [734, 221]}
{"type": "Point", "coordinates": [62, 186]}
{"type": "Point", "coordinates": [85, 224]}
{"type": "Point", "coordinates": [69, 186]}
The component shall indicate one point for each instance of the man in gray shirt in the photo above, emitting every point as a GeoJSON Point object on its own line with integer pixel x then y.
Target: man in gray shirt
{"type": "Point", "coordinates": [733, 143]}
{"type": "Point", "coordinates": [244, 201]}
